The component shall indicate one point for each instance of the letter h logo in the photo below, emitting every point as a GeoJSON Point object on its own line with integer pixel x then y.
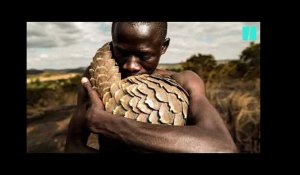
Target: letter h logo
{"type": "Point", "coordinates": [249, 33]}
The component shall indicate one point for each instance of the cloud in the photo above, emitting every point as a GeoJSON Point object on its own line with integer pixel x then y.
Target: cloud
{"type": "Point", "coordinates": [55, 34]}
{"type": "Point", "coordinates": [73, 44]}
{"type": "Point", "coordinates": [221, 39]}
{"type": "Point", "coordinates": [67, 44]}
{"type": "Point", "coordinates": [44, 55]}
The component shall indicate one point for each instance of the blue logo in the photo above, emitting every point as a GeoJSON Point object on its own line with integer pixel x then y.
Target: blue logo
{"type": "Point", "coordinates": [249, 33]}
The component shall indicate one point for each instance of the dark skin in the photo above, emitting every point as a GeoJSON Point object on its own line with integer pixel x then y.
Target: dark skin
{"type": "Point", "coordinates": [137, 50]}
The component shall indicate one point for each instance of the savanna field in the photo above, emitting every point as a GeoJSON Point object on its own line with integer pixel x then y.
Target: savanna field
{"type": "Point", "coordinates": [232, 87]}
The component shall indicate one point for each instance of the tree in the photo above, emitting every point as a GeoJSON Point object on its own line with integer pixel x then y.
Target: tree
{"type": "Point", "coordinates": [251, 54]}
{"type": "Point", "coordinates": [251, 57]}
{"type": "Point", "coordinates": [201, 64]}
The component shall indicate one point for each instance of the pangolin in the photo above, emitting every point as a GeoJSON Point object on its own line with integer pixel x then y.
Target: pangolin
{"type": "Point", "coordinates": [146, 98]}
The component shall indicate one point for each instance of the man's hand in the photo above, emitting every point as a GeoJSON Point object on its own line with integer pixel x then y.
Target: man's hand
{"type": "Point", "coordinates": [92, 93]}
{"type": "Point", "coordinates": [78, 132]}
{"type": "Point", "coordinates": [96, 109]}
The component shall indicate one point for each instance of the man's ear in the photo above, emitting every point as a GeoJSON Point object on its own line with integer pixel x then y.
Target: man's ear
{"type": "Point", "coordinates": [165, 45]}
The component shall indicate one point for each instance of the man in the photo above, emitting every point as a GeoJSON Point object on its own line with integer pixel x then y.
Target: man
{"type": "Point", "coordinates": [137, 47]}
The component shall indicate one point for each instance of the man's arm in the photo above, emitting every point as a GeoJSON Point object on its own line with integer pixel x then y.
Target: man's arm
{"type": "Point", "coordinates": [78, 132]}
{"type": "Point", "coordinates": [206, 132]}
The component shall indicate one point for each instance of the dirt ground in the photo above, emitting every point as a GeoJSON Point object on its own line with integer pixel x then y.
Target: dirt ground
{"type": "Point", "coordinates": [47, 133]}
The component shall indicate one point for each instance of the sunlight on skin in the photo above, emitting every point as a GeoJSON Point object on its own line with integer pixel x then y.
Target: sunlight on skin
{"type": "Point", "coordinates": [143, 29]}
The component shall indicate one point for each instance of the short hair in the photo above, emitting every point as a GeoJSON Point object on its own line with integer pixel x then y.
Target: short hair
{"type": "Point", "coordinates": [161, 26]}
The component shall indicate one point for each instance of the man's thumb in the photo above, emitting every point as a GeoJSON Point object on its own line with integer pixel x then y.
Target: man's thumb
{"type": "Point", "coordinates": [85, 81]}
{"type": "Point", "coordinates": [87, 84]}
{"type": "Point", "coordinates": [92, 93]}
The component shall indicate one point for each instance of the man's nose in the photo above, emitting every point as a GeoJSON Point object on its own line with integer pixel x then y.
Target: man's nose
{"type": "Point", "coordinates": [132, 64]}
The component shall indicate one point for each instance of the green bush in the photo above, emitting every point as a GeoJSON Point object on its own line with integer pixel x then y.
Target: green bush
{"type": "Point", "coordinates": [200, 64]}
{"type": "Point", "coordinates": [38, 93]}
{"type": "Point", "coordinates": [246, 68]}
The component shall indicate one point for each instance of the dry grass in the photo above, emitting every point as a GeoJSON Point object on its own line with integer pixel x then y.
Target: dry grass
{"type": "Point", "coordinates": [239, 105]}
{"type": "Point", "coordinates": [48, 77]}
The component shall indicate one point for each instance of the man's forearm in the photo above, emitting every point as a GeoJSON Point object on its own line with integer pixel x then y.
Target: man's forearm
{"type": "Point", "coordinates": [161, 138]}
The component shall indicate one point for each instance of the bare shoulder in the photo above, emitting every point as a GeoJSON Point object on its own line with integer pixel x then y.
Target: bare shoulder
{"type": "Point", "coordinates": [195, 87]}
{"type": "Point", "coordinates": [190, 81]}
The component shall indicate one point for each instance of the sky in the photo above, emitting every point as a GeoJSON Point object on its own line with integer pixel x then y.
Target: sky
{"type": "Point", "coordinates": [61, 45]}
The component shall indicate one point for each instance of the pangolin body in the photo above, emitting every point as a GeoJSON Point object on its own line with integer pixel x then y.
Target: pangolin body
{"type": "Point", "coordinates": [146, 98]}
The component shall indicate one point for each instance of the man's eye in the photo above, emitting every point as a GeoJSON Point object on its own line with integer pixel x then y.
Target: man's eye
{"type": "Point", "coordinates": [121, 54]}
{"type": "Point", "coordinates": [121, 51]}
{"type": "Point", "coordinates": [146, 57]}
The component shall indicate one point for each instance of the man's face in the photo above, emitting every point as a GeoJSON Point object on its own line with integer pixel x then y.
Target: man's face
{"type": "Point", "coordinates": [137, 48]}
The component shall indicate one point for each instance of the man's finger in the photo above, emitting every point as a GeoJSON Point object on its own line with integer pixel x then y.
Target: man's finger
{"type": "Point", "coordinates": [92, 93]}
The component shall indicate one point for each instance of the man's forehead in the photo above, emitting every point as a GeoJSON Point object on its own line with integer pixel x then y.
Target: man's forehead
{"type": "Point", "coordinates": [125, 32]}
{"type": "Point", "coordinates": [143, 29]}
{"type": "Point", "coordinates": [136, 24]}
